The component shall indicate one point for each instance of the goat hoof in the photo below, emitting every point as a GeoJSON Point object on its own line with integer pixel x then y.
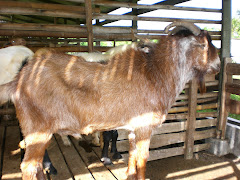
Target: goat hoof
{"type": "Point", "coordinates": [117, 155]}
{"type": "Point", "coordinates": [50, 168]}
{"type": "Point", "coordinates": [106, 161]}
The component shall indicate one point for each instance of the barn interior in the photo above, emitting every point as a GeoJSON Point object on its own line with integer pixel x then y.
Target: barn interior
{"type": "Point", "coordinates": [71, 26]}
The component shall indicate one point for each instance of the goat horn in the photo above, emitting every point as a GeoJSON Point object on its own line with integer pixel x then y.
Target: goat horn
{"type": "Point", "coordinates": [190, 26]}
{"type": "Point", "coordinates": [176, 29]}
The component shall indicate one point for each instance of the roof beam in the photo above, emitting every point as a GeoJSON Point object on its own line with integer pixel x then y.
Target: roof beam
{"type": "Point", "coordinates": [142, 11]}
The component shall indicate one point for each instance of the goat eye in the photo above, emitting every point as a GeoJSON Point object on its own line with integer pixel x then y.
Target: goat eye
{"type": "Point", "coordinates": [203, 45]}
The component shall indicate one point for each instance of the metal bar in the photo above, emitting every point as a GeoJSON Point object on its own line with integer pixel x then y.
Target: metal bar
{"type": "Point", "coordinates": [225, 53]}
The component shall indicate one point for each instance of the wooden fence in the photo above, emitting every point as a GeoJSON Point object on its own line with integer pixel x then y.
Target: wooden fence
{"type": "Point", "coordinates": [230, 85]}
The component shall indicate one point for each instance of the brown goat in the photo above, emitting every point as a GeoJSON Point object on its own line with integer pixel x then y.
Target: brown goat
{"type": "Point", "coordinates": [15, 42]}
{"type": "Point", "coordinates": [57, 93]}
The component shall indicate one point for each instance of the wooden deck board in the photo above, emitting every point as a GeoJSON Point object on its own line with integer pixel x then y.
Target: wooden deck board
{"type": "Point", "coordinates": [2, 139]}
{"type": "Point", "coordinates": [74, 161]}
{"type": "Point", "coordinates": [58, 162]}
{"type": "Point", "coordinates": [11, 163]}
{"type": "Point", "coordinates": [96, 167]}
{"type": "Point", "coordinates": [71, 162]}
{"type": "Point", "coordinates": [119, 167]}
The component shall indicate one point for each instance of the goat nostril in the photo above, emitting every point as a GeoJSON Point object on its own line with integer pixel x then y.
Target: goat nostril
{"type": "Point", "coordinates": [217, 69]}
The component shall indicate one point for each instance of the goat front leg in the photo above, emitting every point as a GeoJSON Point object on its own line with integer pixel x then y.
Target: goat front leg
{"type": "Point", "coordinates": [142, 145]}
{"type": "Point", "coordinates": [31, 167]}
{"type": "Point", "coordinates": [132, 161]}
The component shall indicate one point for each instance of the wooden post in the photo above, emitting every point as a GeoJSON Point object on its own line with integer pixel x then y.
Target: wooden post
{"type": "Point", "coordinates": [134, 22]}
{"type": "Point", "coordinates": [223, 114]}
{"type": "Point", "coordinates": [88, 10]}
{"type": "Point", "coordinates": [191, 121]}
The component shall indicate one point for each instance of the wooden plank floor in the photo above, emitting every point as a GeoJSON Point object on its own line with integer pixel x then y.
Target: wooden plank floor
{"type": "Point", "coordinates": [75, 162]}
{"type": "Point", "coordinates": [71, 162]}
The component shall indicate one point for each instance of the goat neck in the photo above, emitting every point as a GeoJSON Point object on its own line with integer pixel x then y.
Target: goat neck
{"type": "Point", "coordinates": [172, 66]}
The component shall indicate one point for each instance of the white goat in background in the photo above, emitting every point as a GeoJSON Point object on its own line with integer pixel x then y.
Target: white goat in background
{"type": "Point", "coordinates": [11, 60]}
{"type": "Point", "coordinates": [100, 57]}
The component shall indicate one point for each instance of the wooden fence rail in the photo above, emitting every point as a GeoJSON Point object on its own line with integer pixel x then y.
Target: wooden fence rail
{"type": "Point", "coordinates": [139, 18]}
{"type": "Point", "coordinates": [152, 7]}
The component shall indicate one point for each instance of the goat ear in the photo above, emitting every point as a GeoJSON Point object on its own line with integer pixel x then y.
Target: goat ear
{"type": "Point", "coordinates": [201, 82]}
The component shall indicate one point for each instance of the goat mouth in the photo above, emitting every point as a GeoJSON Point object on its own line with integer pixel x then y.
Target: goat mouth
{"type": "Point", "coordinates": [214, 70]}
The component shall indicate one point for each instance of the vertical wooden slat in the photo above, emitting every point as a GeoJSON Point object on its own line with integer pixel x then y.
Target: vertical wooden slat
{"type": "Point", "coordinates": [88, 9]}
{"type": "Point", "coordinates": [98, 43]}
{"type": "Point", "coordinates": [2, 147]}
{"type": "Point", "coordinates": [191, 121]}
{"type": "Point", "coordinates": [222, 108]}
{"type": "Point", "coordinates": [223, 114]}
{"type": "Point", "coordinates": [134, 22]}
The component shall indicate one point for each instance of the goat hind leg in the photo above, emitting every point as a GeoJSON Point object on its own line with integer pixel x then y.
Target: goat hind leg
{"type": "Point", "coordinates": [107, 136]}
{"type": "Point", "coordinates": [65, 140]}
{"type": "Point", "coordinates": [47, 164]}
{"type": "Point", "coordinates": [31, 167]}
{"type": "Point", "coordinates": [96, 139]}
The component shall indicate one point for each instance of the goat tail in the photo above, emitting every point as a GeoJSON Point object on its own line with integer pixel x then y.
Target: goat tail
{"type": "Point", "coordinates": [5, 93]}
